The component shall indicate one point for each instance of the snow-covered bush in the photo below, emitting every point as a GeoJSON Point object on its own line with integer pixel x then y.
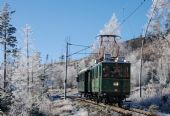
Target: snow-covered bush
{"type": "Point", "coordinates": [6, 100]}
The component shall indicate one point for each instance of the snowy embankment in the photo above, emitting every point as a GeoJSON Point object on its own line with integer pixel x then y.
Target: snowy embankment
{"type": "Point", "coordinates": [71, 107]}
{"type": "Point", "coordinates": [75, 108]}
{"type": "Point", "coordinates": [61, 107]}
{"type": "Point", "coordinates": [155, 98]}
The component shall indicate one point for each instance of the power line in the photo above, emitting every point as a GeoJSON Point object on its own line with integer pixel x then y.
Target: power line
{"type": "Point", "coordinates": [79, 51]}
{"type": "Point", "coordinates": [77, 45]}
{"type": "Point", "coordinates": [124, 20]}
{"type": "Point", "coordinates": [132, 13]}
{"type": "Point", "coordinates": [87, 53]}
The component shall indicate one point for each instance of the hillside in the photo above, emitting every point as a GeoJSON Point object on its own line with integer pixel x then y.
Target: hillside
{"type": "Point", "coordinates": [155, 62]}
{"type": "Point", "coordinates": [155, 75]}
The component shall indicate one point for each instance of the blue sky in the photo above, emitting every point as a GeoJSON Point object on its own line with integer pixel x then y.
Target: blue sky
{"type": "Point", "coordinates": [81, 20]}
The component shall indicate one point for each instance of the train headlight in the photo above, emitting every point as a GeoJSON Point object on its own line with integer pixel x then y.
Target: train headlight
{"type": "Point", "coordinates": [115, 83]}
{"type": "Point", "coordinates": [115, 90]}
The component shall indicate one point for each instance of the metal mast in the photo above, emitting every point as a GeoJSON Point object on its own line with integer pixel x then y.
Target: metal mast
{"type": "Point", "coordinates": [27, 32]}
{"type": "Point", "coordinates": [5, 60]}
{"type": "Point", "coordinates": [65, 79]}
{"type": "Point", "coordinates": [141, 66]}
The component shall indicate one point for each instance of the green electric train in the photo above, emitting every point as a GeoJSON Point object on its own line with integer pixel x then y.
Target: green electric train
{"type": "Point", "coordinates": [107, 81]}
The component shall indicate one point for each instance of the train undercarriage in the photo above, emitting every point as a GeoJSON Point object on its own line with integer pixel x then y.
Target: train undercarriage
{"type": "Point", "coordinates": [106, 98]}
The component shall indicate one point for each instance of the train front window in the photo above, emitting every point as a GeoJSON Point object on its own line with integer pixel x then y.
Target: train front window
{"type": "Point", "coordinates": [111, 72]}
{"type": "Point", "coordinates": [106, 71]}
{"type": "Point", "coordinates": [126, 72]}
{"type": "Point", "coordinates": [114, 71]}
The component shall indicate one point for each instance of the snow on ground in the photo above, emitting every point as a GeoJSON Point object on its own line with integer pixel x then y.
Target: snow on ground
{"type": "Point", "coordinates": [81, 112]}
{"type": "Point", "coordinates": [152, 100]}
{"type": "Point", "coordinates": [63, 107]}
{"type": "Point", "coordinates": [155, 98]}
{"type": "Point", "coordinates": [69, 107]}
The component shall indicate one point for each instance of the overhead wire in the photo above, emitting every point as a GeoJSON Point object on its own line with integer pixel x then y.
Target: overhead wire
{"type": "Point", "coordinates": [78, 45]}
{"type": "Point", "coordinates": [124, 20]}
{"type": "Point", "coordinates": [79, 51]}
{"type": "Point", "coordinates": [131, 14]}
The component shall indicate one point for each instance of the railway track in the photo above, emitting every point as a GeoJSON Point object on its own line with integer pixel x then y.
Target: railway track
{"type": "Point", "coordinates": [120, 110]}
{"type": "Point", "coordinates": [2, 113]}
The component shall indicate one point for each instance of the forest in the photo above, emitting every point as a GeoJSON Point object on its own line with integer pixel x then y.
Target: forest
{"type": "Point", "coordinates": [25, 80]}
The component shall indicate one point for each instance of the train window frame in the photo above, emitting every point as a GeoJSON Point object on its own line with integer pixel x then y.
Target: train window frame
{"type": "Point", "coordinates": [106, 69]}
{"type": "Point", "coordinates": [77, 79]}
{"type": "Point", "coordinates": [82, 76]}
{"type": "Point", "coordinates": [96, 72]}
{"type": "Point", "coordinates": [113, 70]}
{"type": "Point", "coordinates": [100, 71]}
{"type": "Point", "coordinates": [93, 73]}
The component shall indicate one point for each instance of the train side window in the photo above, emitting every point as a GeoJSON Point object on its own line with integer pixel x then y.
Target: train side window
{"type": "Point", "coordinates": [96, 72]}
{"type": "Point", "coordinates": [82, 77]}
{"type": "Point", "coordinates": [92, 73]}
{"type": "Point", "coordinates": [77, 79]}
{"type": "Point", "coordinates": [121, 72]}
{"type": "Point", "coordinates": [128, 71]}
{"type": "Point", "coordinates": [100, 70]}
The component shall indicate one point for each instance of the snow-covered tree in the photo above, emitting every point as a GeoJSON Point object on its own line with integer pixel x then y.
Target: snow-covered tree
{"type": "Point", "coordinates": [167, 22]}
{"type": "Point", "coordinates": [155, 27]}
{"type": "Point", "coordinates": [112, 27]}
{"type": "Point", "coordinates": [23, 98]}
{"type": "Point", "coordinates": [35, 64]}
{"type": "Point", "coordinates": [106, 44]}
{"type": "Point", "coordinates": [160, 15]}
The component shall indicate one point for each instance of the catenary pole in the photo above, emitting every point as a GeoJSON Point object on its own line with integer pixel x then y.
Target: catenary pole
{"type": "Point", "coordinates": [143, 39]}
{"type": "Point", "coordinates": [141, 67]}
{"type": "Point", "coordinates": [65, 79]}
{"type": "Point", "coordinates": [5, 81]}
{"type": "Point", "coordinates": [5, 59]}
{"type": "Point", "coordinates": [27, 32]}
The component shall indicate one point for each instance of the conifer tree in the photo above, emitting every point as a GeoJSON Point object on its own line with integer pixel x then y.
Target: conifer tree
{"type": "Point", "coordinates": [8, 40]}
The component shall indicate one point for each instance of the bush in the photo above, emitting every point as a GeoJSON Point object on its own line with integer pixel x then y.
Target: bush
{"type": "Point", "coordinates": [5, 100]}
{"type": "Point", "coordinates": [153, 108]}
{"type": "Point", "coordinates": [35, 111]}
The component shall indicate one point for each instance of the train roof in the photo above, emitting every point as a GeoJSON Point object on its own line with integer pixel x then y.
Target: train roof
{"type": "Point", "coordinates": [84, 70]}
{"type": "Point", "coordinates": [120, 60]}
{"type": "Point", "coordinates": [109, 62]}
{"type": "Point", "coordinates": [113, 60]}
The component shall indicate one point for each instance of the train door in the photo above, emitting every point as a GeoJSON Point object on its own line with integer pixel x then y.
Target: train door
{"type": "Point", "coordinates": [100, 76]}
{"type": "Point", "coordinates": [89, 81]}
